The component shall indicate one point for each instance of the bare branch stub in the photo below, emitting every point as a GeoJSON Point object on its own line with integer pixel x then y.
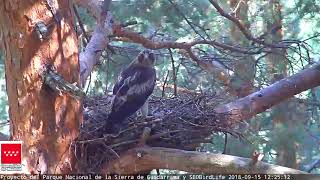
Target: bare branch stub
{"type": "Point", "coordinates": [182, 122]}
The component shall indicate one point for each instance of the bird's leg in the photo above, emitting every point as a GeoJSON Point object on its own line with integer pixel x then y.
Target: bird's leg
{"type": "Point", "coordinates": [145, 110]}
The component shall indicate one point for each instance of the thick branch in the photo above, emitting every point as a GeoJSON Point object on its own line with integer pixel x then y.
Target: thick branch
{"type": "Point", "coordinates": [137, 38]}
{"type": "Point", "coordinates": [98, 42]}
{"type": "Point", "coordinates": [144, 159]}
{"type": "Point", "coordinates": [247, 107]}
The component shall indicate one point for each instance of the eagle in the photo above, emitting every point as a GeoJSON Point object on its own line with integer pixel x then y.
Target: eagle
{"type": "Point", "coordinates": [131, 91]}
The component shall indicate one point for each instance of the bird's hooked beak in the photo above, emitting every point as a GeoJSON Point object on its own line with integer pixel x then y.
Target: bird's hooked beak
{"type": "Point", "coordinates": [149, 54]}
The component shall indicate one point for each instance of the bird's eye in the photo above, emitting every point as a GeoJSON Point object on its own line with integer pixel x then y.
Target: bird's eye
{"type": "Point", "coordinates": [140, 57]}
{"type": "Point", "coordinates": [151, 57]}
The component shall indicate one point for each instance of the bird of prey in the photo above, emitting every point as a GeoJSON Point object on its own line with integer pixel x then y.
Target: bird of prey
{"type": "Point", "coordinates": [135, 84]}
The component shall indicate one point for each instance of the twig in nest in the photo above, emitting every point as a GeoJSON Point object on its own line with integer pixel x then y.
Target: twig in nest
{"type": "Point", "coordinates": [193, 124]}
{"type": "Point", "coordinates": [182, 105]}
{"type": "Point", "coordinates": [145, 122]}
{"type": "Point", "coordinates": [124, 143]}
{"type": "Point", "coordinates": [110, 149]}
{"type": "Point", "coordinates": [164, 84]}
{"type": "Point", "coordinates": [155, 136]}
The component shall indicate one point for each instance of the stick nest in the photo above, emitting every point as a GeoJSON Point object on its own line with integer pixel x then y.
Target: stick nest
{"type": "Point", "coordinates": [182, 122]}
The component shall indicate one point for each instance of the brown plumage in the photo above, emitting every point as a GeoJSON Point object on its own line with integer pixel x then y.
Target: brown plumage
{"type": "Point", "coordinates": [135, 84]}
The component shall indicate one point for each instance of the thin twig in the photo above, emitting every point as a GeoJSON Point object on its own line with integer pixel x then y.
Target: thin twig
{"type": "Point", "coordinates": [174, 75]}
{"type": "Point", "coordinates": [164, 84]}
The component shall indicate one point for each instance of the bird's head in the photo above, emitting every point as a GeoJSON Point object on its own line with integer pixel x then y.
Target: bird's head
{"type": "Point", "coordinates": [146, 58]}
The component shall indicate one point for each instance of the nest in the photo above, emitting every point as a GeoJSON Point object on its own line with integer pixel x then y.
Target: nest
{"type": "Point", "coordinates": [182, 122]}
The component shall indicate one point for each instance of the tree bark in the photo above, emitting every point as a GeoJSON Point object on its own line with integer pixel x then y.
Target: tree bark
{"type": "Point", "coordinates": [98, 42]}
{"type": "Point", "coordinates": [43, 120]}
{"type": "Point", "coordinates": [144, 159]}
{"type": "Point", "coordinates": [277, 65]}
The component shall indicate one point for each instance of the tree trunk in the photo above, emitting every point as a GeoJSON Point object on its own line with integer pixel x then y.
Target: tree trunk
{"type": "Point", "coordinates": [283, 126]}
{"type": "Point", "coordinates": [242, 82]}
{"type": "Point", "coordinates": [43, 120]}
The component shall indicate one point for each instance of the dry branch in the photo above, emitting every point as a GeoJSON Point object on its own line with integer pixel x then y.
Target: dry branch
{"type": "Point", "coordinates": [148, 158]}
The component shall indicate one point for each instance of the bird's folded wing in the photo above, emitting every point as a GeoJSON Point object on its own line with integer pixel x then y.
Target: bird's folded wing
{"type": "Point", "coordinates": [118, 84]}
{"type": "Point", "coordinates": [122, 93]}
{"type": "Point", "coordinates": [128, 83]}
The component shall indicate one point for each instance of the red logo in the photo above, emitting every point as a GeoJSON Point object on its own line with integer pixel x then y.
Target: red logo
{"type": "Point", "coordinates": [10, 153]}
